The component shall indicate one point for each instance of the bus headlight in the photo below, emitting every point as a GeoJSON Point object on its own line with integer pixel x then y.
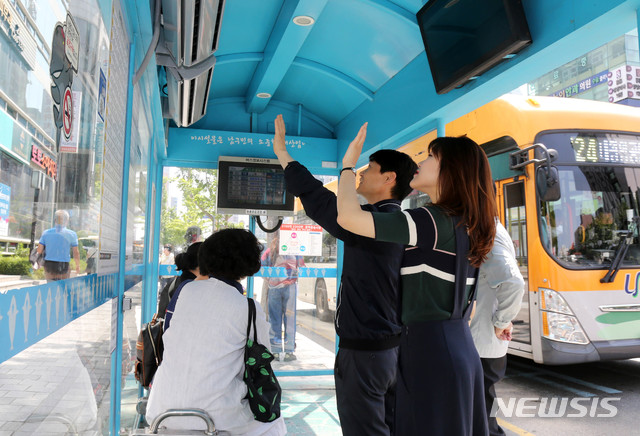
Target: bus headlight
{"type": "Point", "coordinates": [551, 300]}
{"type": "Point", "coordinates": [558, 321]}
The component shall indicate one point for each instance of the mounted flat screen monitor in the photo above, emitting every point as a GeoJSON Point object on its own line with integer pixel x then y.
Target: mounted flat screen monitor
{"type": "Point", "coordinates": [465, 38]}
{"type": "Point", "coordinates": [252, 186]}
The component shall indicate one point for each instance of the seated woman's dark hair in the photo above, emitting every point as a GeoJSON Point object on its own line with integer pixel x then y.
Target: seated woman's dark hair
{"type": "Point", "coordinates": [230, 254]}
{"type": "Point", "coordinates": [188, 260]}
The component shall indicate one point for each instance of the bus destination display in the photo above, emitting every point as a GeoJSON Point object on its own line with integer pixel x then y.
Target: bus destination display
{"type": "Point", "coordinates": [606, 147]}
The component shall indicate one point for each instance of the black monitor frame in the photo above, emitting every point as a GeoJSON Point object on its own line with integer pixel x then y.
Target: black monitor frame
{"type": "Point", "coordinates": [226, 206]}
{"type": "Point", "coordinates": [520, 38]}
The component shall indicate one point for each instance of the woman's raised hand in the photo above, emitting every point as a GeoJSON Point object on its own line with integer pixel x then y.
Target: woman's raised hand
{"type": "Point", "coordinates": [350, 158]}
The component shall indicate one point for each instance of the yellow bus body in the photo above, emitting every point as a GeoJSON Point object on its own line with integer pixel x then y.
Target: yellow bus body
{"type": "Point", "coordinates": [522, 118]}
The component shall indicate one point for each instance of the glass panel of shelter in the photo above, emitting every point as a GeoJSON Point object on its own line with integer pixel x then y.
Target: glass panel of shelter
{"type": "Point", "coordinates": [299, 289]}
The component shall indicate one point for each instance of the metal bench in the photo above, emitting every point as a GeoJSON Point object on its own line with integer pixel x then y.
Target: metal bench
{"type": "Point", "coordinates": [154, 428]}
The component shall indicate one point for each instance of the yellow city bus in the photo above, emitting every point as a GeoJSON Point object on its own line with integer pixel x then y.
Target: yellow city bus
{"type": "Point", "coordinates": [567, 174]}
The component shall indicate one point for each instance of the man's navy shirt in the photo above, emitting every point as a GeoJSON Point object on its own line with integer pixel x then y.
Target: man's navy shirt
{"type": "Point", "coordinates": [368, 310]}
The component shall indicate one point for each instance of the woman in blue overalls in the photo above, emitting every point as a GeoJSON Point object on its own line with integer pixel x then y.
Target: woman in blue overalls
{"type": "Point", "coordinates": [440, 385]}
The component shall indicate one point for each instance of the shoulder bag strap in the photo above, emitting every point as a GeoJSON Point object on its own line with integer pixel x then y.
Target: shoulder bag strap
{"type": "Point", "coordinates": [462, 305]}
{"type": "Point", "coordinates": [252, 320]}
{"type": "Point", "coordinates": [251, 309]}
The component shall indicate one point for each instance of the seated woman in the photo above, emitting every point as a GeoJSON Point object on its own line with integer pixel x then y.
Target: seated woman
{"type": "Point", "coordinates": [187, 264]}
{"type": "Point", "coordinates": [204, 348]}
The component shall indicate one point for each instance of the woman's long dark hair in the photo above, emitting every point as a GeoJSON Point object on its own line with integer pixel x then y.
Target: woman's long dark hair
{"type": "Point", "coordinates": [466, 189]}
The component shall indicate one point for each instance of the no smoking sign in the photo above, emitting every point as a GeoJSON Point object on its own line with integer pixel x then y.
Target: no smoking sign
{"type": "Point", "coordinates": [67, 113]}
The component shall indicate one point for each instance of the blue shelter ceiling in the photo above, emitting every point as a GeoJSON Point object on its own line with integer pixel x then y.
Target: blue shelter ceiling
{"type": "Point", "coordinates": [364, 60]}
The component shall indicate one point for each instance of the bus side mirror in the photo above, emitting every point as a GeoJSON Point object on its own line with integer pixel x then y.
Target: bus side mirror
{"type": "Point", "coordinates": [548, 183]}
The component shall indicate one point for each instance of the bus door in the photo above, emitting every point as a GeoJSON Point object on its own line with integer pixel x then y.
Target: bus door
{"type": "Point", "coordinates": [511, 206]}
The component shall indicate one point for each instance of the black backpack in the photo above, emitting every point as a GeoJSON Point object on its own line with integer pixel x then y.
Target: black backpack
{"type": "Point", "coordinates": [149, 350]}
{"type": "Point", "coordinates": [263, 390]}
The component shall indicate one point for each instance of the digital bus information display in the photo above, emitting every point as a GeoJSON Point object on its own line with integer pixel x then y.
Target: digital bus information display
{"type": "Point", "coordinates": [259, 185]}
{"type": "Point", "coordinates": [252, 186]}
{"type": "Point", "coordinates": [607, 148]}
{"type": "Point", "coordinates": [594, 147]}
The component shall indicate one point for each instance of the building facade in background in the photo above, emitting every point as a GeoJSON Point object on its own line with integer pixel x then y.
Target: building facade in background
{"type": "Point", "coordinates": [44, 167]}
{"type": "Point", "coordinates": [609, 73]}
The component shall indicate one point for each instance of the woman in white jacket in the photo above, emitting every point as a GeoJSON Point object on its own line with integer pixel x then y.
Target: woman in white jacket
{"type": "Point", "coordinates": [203, 360]}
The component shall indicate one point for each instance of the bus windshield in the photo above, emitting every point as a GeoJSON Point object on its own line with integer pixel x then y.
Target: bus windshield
{"type": "Point", "coordinates": [598, 206]}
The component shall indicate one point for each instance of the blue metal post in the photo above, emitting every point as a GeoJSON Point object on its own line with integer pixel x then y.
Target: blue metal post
{"type": "Point", "coordinates": [339, 280]}
{"type": "Point", "coordinates": [252, 229]}
{"type": "Point", "coordinates": [155, 249]}
{"type": "Point", "coordinates": [149, 291]}
{"type": "Point", "coordinates": [116, 357]}
{"type": "Point", "coordinates": [441, 126]}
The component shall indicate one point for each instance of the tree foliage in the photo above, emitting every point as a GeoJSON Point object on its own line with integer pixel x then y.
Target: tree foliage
{"type": "Point", "coordinates": [198, 188]}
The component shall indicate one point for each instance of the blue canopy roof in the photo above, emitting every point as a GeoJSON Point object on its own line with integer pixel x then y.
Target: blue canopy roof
{"type": "Point", "coordinates": [364, 60]}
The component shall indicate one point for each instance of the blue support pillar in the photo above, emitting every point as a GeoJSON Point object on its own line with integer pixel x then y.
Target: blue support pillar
{"type": "Point", "coordinates": [441, 127]}
{"type": "Point", "coordinates": [149, 291]}
{"type": "Point", "coordinates": [155, 249]}
{"type": "Point", "coordinates": [252, 229]}
{"type": "Point", "coordinates": [339, 280]}
{"type": "Point", "coordinates": [116, 356]}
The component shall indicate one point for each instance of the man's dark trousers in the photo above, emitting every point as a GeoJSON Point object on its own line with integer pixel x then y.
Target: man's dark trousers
{"type": "Point", "coordinates": [494, 371]}
{"type": "Point", "coordinates": [366, 391]}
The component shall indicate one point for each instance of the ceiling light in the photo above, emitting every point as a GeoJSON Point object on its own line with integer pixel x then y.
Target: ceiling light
{"type": "Point", "coordinates": [303, 20]}
{"type": "Point", "coordinates": [263, 95]}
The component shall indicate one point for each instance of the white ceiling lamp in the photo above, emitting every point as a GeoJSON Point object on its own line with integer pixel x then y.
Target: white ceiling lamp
{"type": "Point", "coordinates": [303, 20]}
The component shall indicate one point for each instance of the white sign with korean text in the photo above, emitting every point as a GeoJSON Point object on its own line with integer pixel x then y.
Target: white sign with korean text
{"type": "Point", "coordinates": [301, 240]}
{"type": "Point", "coordinates": [71, 42]}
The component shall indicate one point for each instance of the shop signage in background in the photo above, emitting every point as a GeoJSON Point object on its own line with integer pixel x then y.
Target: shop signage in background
{"type": "Point", "coordinates": [65, 46]}
{"type": "Point", "coordinates": [16, 31]}
{"type": "Point", "coordinates": [14, 138]}
{"type": "Point", "coordinates": [583, 86]}
{"type": "Point", "coordinates": [72, 42]}
{"type": "Point", "coordinates": [5, 201]}
{"type": "Point", "coordinates": [71, 133]}
{"type": "Point", "coordinates": [102, 96]}
{"type": "Point", "coordinates": [43, 161]}
{"type": "Point", "coordinates": [6, 130]}
{"type": "Point", "coordinates": [301, 240]}
{"type": "Point", "coordinates": [21, 141]}
{"type": "Point", "coordinates": [624, 82]}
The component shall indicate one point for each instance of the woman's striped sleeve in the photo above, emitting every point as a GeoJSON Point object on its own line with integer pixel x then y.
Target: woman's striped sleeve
{"type": "Point", "coordinates": [395, 227]}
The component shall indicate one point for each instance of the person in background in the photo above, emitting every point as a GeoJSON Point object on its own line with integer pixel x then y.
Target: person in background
{"type": "Point", "coordinates": [203, 361]}
{"type": "Point", "coordinates": [167, 258]}
{"type": "Point", "coordinates": [187, 264]}
{"type": "Point", "coordinates": [192, 235]}
{"type": "Point", "coordinates": [499, 295]}
{"type": "Point", "coordinates": [368, 315]}
{"type": "Point", "coordinates": [440, 382]}
{"type": "Point", "coordinates": [57, 243]}
{"type": "Point", "coordinates": [282, 300]}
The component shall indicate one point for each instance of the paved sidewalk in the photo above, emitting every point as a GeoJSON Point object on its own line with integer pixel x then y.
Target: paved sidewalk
{"type": "Point", "coordinates": [61, 385]}
{"type": "Point", "coordinates": [309, 405]}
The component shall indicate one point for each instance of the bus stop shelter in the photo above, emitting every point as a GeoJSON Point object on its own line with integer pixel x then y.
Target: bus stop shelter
{"type": "Point", "coordinates": [327, 65]}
